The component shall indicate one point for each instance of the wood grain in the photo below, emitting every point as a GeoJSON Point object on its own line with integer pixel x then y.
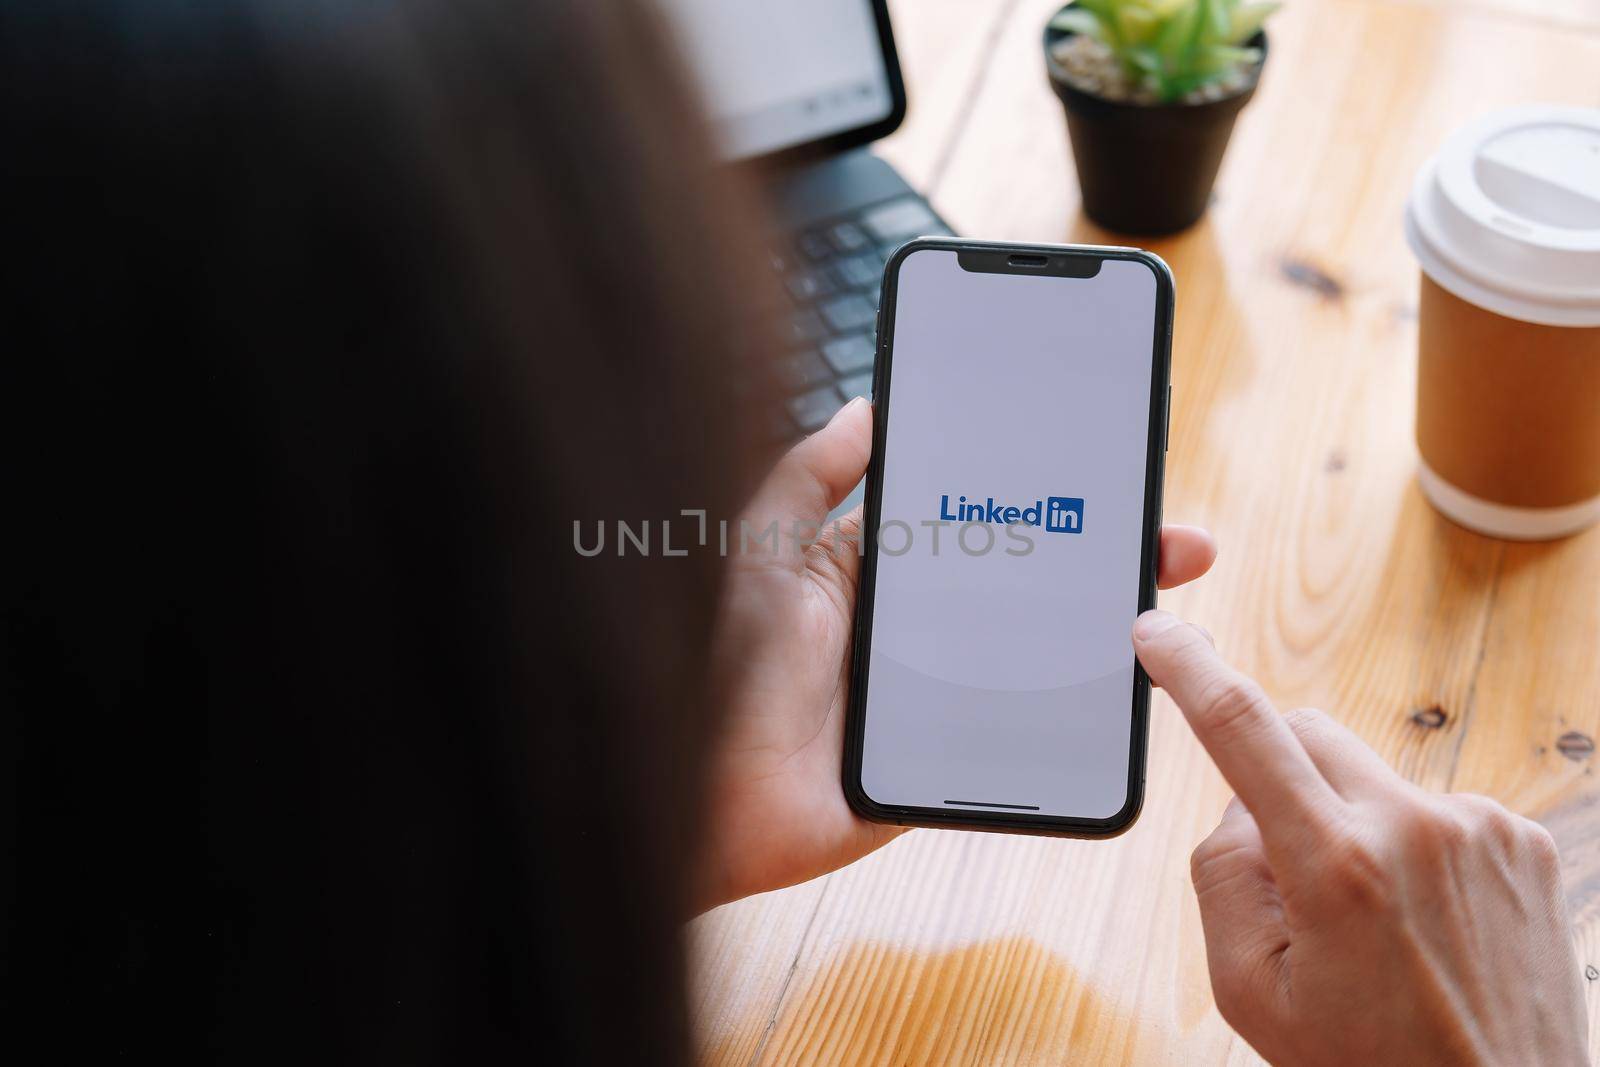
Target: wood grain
{"type": "Point", "coordinates": [944, 48]}
{"type": "Point", "coordinates": [1575, 14]}
{"type": "Point", "coordinates": [1463, 660]}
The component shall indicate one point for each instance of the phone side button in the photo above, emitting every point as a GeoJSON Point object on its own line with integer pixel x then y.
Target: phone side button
{"type": "Point", "coordinates": [1166, 432]}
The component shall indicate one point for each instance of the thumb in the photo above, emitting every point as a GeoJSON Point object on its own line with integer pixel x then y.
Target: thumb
{"type": "Point", "coordinates": [1241, 913]}
{"type": "Point", "coordinates": [811, 479]}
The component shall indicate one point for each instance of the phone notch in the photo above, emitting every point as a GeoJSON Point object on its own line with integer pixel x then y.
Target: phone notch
{"type": "Point", "coordinates": [1049, 264]}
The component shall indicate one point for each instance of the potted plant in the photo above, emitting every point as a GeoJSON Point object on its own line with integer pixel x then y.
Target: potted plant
{"type": "Point", "coordinates": [1151, 89]}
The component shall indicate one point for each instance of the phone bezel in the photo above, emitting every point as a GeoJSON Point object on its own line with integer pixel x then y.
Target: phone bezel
{"type": "Point", "coordinates": [1155, 471]}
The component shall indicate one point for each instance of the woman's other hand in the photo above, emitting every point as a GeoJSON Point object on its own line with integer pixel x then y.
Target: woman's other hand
{"type": "Point", "coordinates": [1353, 918]}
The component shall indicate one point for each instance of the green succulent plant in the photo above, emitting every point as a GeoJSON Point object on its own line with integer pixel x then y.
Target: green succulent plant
{"type": "Point", "coordinates": [1173, 47]}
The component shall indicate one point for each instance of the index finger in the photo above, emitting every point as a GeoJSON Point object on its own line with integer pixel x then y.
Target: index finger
{"type": "Point", "coordinates": [1249, 741]}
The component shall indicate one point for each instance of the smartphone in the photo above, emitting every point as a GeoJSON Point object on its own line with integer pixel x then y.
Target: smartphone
{"type": "Point", "coordinates": [1012, 523]}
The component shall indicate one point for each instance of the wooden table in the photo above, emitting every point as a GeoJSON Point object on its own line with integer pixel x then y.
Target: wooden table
{"type": "Point", "coordinates": [1471, 664]}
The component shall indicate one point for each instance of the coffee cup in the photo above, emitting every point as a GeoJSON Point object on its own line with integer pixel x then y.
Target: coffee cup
{"type": "Point", "coordinates": [1505, 223]}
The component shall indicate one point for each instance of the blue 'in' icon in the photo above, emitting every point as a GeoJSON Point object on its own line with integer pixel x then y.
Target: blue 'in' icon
{"type": "Point", "coordinates": [1064, 514]}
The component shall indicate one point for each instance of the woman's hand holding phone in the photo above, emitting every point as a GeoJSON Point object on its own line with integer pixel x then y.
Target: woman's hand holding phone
{"type": "Point", "coordinates": [1351, 917]}
{"type": "Point", "coordinates": [778, 811]}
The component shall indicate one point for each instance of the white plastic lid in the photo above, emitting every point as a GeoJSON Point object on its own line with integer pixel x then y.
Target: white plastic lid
{"type": "Point", "coordinates": [1507, 215]}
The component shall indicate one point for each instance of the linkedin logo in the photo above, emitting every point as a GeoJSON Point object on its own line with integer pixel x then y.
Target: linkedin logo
{"type": "Point", "coordinates": [1064, 514]}
{"type": "Point", "coordinates": [1057, 514]}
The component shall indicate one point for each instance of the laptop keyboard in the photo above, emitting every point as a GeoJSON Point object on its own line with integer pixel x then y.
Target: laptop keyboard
{"type": "Point", "coordinates": [832, 272]}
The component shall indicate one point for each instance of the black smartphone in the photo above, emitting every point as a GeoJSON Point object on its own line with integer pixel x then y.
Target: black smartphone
{"type": "Point", "coordinates": [1012, 524]}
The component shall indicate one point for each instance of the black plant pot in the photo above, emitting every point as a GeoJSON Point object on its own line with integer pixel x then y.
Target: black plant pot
{"type": "Point", "coordinates": [1146, 168]}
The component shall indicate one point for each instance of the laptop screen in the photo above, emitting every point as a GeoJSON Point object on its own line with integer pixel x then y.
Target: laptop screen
{"type": "Point", "coordinates": [778, 73]}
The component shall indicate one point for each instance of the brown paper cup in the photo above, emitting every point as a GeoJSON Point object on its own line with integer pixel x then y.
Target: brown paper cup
{"type": "Point", "coordinates": [1505, 223]}
{"type": "Point", "coordinates": [1508, 418]}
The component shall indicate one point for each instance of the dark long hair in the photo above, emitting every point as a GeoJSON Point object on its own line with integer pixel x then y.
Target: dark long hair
{"type": "Point", "coordinates": [325, 322]}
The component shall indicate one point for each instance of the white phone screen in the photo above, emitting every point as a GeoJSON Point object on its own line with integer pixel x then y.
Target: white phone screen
{"type": "Point", "coordinates": [1001, 670]}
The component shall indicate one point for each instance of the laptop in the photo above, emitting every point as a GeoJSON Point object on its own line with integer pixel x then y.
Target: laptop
{"type": "Point", "coordinates": [799, 90]}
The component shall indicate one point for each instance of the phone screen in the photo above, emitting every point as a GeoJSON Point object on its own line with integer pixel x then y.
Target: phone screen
{"type": "Point", "coordinates": [1013, 475]}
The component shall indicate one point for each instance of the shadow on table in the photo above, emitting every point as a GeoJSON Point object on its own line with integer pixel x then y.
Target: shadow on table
{"type": "Point", "coordinates": [1000, 1001]}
